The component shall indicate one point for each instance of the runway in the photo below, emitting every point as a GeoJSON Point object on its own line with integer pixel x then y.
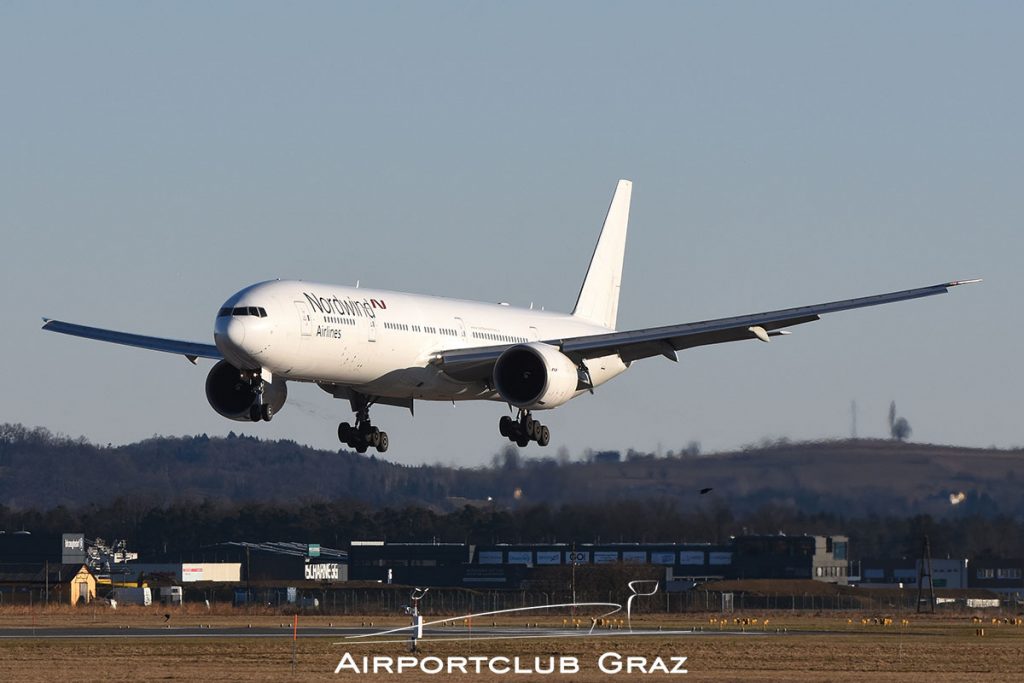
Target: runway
{"type": "Point", "coordinates": [348, 635]}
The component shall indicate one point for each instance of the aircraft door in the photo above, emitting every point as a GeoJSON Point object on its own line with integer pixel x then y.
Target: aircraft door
{"type": "Point", "coordinates": [534, 335]}
{"type": "Point", "coordinates": [461, 327]}
{"type": "Point", "coordinates": [305, 319]}
{"type": "Point", "coordinates": [371, 331]}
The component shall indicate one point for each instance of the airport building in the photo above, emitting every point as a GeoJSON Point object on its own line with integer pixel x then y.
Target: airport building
{"type": "Point", "coordinates": [883, 573]}
{"type": "Point", "coordinates": [998, 575]}
{"type": "Point", "coordinates": [237, 561]}
{"type": "Point", "coordinates": [822, 558]}
{"type": "Point", "coordinates": [72, 584]}
{"type": "Point", "coordinates": [45, 568]}
{"type": "Point", "coordinates": [38, 568]}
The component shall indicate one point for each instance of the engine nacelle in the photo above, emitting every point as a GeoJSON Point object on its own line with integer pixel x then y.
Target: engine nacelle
{"type": "Point", "coordinates": [232, 396]}
{"type": "Point", "coordinates": [535, 376]}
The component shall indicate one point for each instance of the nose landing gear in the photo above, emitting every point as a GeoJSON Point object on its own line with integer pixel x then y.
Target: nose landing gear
{"type": "Point", "coordinates": [524, 429]}
{"type": "Point", "coordinates": [363, 435]}
{"type": "Point", "coordinates": [259, 410]}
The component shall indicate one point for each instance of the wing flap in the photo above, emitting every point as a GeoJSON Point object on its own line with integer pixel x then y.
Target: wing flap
{"type": "Point", "coordinates": [191, 350]}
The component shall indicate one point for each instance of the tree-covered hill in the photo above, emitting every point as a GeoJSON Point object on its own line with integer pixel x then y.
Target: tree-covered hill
{"type": "Point", "coordinates": [40, 470]}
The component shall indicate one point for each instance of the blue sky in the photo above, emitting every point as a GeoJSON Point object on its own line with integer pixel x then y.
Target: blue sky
{"type": "Point", "coordinates": [157, 157]}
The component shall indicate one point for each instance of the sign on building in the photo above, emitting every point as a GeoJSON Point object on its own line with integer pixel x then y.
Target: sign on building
{"type": "Point", "coordinates": [662, 557]}
{"type": "Point", "coordinates": [634, 557]}
{"type": "Point", "coordinates": [606, 557]}
{"type": "Point", "coordinates": [691, 557]}
{"type": "Point", "coordinates": [489, 557]}
{"type": "Point", "coordinates": [323, 571]}
{"type": "Point", "coordinates": [313, 550]}
{"type": "Point", "coordinates": [719, 558]}
{"type": "Point", "coordinates": [72, 549]}
{"type": "Point", "coordinates": [520, 557]}
{"type": "Point", "coordinates": [579, 557]}
{"type": "Point", "coordinates": [549, 557]}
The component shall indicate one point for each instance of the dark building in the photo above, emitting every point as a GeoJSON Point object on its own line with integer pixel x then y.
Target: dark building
{"type": "Point", "coordinates": [997, 574]}
{"type": "Point", "coordinates": [823, 558]}
{"type": "Point", "coordinates": [23, 547]}
{"type": "Point", "coordinates": [269, 561]}
{"type": "Point", "coordinates": [421, 564]}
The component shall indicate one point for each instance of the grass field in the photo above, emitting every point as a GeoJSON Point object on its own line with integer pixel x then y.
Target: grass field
{"type": "Point", "coordinates": [805, 648]}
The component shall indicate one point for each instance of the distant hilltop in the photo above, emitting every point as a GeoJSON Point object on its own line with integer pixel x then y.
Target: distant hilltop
{"type": "Point", "coordinates": [850, 477]}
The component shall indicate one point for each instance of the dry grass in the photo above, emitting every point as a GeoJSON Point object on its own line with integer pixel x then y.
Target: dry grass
{"type": "Point", "coordinates": [925, 650]}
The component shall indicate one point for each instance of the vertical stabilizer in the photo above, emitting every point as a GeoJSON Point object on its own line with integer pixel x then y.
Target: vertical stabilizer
{"type": "Point", "coordinates": [598, 301]}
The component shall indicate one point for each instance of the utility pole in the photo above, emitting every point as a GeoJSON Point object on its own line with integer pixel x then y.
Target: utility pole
{"type": "Point", "coordinates": [925, 570]}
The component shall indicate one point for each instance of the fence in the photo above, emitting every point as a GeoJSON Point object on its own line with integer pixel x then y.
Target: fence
{"type": "Point", "coordinates": [452, 601]}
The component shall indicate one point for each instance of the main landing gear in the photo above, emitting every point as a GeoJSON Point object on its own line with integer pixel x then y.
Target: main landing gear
{"type": "Point", "coordinates": [363, 435]}
{"type": "Point", "coordinates": [523, 430]}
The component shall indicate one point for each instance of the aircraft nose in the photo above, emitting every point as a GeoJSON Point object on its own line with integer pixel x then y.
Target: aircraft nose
{"type": "Point", "coordinates": [235, 332]}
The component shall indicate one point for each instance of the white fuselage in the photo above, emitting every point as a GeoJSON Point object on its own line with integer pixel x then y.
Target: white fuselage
{"type": "Point", "coordinates": [378, 342]}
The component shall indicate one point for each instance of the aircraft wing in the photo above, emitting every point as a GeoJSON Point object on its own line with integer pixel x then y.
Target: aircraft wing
{"type": "Point", "coordinates": [477, 363]}
{"type": "Point", "coordinates": [191, 350]}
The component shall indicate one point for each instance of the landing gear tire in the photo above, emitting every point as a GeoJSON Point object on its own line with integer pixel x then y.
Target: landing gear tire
{"type": "Point", "coordinates": [267, 412]}
{"type": "Point", "coordinates": [255, 415]}
{"type": "Point", "coordinates": [363, 435]}
{"type": "Point", "coordinates": [523, 430]}
{"type": "Point", "coordinates": [344, 432]}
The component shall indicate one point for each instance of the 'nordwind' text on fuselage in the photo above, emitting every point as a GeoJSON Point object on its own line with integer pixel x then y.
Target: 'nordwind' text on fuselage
{"type": "Point", "coordinates": [347, 306]}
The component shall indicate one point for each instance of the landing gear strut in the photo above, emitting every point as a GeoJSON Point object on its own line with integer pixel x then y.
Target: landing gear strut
{"type": "Point", "coordinates": [259, 410]}
{"type": "Point", "coordinates": [363, 435]}
{"type": "Point", "coordinates": [524, 429]}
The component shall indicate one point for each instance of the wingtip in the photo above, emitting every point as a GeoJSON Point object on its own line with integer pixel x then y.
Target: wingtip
{"type": "Point", "coordinates": [47, 321]}
{"type": "Point", "coordinates": [956, 283]}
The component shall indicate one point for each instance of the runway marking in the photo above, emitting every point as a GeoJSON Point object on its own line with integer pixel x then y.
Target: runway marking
{"type": "Point", "coordinates": [557, 634]}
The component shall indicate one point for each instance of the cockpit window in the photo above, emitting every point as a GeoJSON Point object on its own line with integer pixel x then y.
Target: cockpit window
{"type": "Point", "coordinates": [255, 311]}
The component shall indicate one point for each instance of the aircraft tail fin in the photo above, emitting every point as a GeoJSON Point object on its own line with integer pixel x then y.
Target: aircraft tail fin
{"type": "Point", "coordinates": [598, 301]}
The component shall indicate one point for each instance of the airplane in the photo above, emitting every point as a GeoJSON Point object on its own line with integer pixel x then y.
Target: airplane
{"type": "Point", "coordinates": [390, 348]}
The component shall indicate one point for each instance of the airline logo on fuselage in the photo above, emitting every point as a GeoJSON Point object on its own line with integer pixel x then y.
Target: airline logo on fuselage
{"type": "Point", "coordinates": [334, 306]}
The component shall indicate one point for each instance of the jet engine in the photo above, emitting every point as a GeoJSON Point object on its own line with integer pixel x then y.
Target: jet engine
{"type": "Point", "coordinates": [232, 396]}
{"type": "Point", "coordinates": [535, 376]}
